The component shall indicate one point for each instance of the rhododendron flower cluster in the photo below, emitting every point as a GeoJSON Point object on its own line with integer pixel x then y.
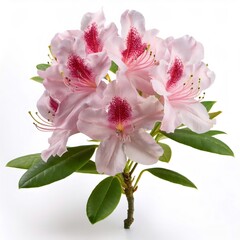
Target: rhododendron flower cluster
{"type": "Point", "coordinates": [125, 89]}
{"type": "Point", "coordinates": [157, 81]}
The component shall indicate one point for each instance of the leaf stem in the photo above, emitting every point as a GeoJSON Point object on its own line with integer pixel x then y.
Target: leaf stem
{"type": "Point", "coordinates": [155, 129]}
{"type": "Point", "coordinates": [126, 169]}
{"type": "Point", "coordinates": [138, 178]}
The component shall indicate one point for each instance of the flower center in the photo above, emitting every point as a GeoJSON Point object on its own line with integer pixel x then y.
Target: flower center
{"type": "Point", "coordinates": [135, 47]}
{"type": "Point", "coordinates": [91, 37]}
{"type": "Point", "coordinates": [119, 112]}
{"type": "Point", "coordinates": [80, 74]}
{"type": "Point", "coordinates": [175, 72]}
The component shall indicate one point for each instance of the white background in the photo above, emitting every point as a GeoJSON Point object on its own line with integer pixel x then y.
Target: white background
{"type": "Point", "coordinates": [163, 210]}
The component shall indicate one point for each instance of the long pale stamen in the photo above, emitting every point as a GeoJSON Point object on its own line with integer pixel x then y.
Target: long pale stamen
{"type": "Point", "coordinates": [189, 90]}
{"type": "Point", "coordinates": [41, 118]}
{"type": "Point", "coordinates": [42, 124]}
{"type": "Point", "coordinates": [145, 60]}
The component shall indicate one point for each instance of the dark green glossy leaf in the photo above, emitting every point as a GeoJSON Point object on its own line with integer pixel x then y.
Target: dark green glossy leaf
{"type": "Point", "coordinates": [208, 104]}
{"type": "Point", "coordinates": [25, 162]}
{"type": "Point", "coordinates": [202, 141]}
{"type": "Point", "coordinates": [114, 67]}
{"type": "Point", "coordinates": [171, 176]}
{"type": "Point", "coordinates": [167, 152]}
{"type": "Point", "coordinates": [209, 133]}
{"type": "Point", "coordinates": [103, 199]}
{"type": "Point", "coordinates": [42, 66]}
{"type": "Point", "coordinates": [57, 168]}
{"type": "Point", "coordinates": [89, 167]}
{"type": "Point", "coordinates": [37, 79]}
{"type": "Point", "coordinates": [214, 132]}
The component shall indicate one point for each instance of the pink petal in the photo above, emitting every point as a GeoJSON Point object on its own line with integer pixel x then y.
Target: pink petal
{"type": "Point", "coordinates": [90, 18]}
{"type": "Point", "coordinates": [108, 33]}
{"type": "Point", "coordinates": [171, 118]}
{"type": "Point", "coordinates": [115, 51]}
{"type": "Point", "coordinates": [122, 88]}
{"type": "Point", "coordinates": [159, 88]}
{"type": "Point", "coordinates": [110, 158]}
{"type": "Point", "coordinates": [99, 63]}
{"type": "Point", "coordinates": [141, 80]}
{"type": "Point", "coordinates": [196, 118]}
{"type": "Point", "coordinates": [130, 19]}
{"type": "Point", "coordinates": [142, 148]}
{"type": "Point", "coordinates": [65, 44]}
{"type": "Point", "coordinates": [57, 142]}
{"type": "Point", "coordinates": [47, 106]}
{"type": "Point", "coordinates": [94, 123]}
{"type": "Point", "coordinates": [187, 49]}
{"type": "Point", "coordinates": [147, 112]}
{"type": "Point", "coordinates": [72, 105]}
{"type": "Point", "coordinates": [69, 109]}
{"type": "Point", "coordinates": [154, 42]}
{"type": "Point", "coordinates": [53, 82]}
{"type": "Point", "coordinates": [204, 73]}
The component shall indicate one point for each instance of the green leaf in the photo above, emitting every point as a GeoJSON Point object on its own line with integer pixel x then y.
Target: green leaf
{"type": "Point", "coordinates": [167, 153]}
{"type": "Point", "coordinates": [56, 168]}
{"type": "Point", "coordinates": [89, 167]}
{"type": "Point", "coordinates": [25, 162]}
{"type": "Point", "coordinates": [37, 79]}
{"type": "Point", "coordinates": [209, 133]}
{"type": "Point", "coordinates": [171, 176]}
{"type": "Point", "coordinates": [114, 67]}
{"type": "Point", "coordinates": [103, 199]}
{"type": "Point", "coordinates": [42, 66]}
{"type": "Point", "coordinates": [202, 141]}
{"type": "Point", "coordinates": [208, 104]}
{"type": "Point", "coordinates": [214, 132]}
{"type": "Point", "coordinates": [214, 114]}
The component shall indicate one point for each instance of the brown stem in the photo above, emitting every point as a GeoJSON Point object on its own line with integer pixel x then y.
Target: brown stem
{"type": "Point", "coordinates": [129, 194]}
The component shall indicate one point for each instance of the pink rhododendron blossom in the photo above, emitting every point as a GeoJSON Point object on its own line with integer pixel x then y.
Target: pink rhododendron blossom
{"type": "Point", "coordinates": [62, 112]}
{"type": "Point", "coordinates": [48, 108]}
{"type": "Point", "coordinates": [80, 84]}
{"type": "Point", "coordinates": [134, 51]}
{"type": "Point", "coordinates": [75, 78]}
{"type": "Point", "coordinates": [90, 39]}
{"type": "Point", "coordinates": [180, 78]}
{"type": "Point", "coordinates": [84, 79]}
{"type": "Point", "coordinates": [95, 34]}
{"type": "Point", "coordinates": [119, 121]}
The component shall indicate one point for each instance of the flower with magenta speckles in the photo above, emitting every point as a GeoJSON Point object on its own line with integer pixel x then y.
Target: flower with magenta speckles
{"type": "Point", "coordinates": [120, 121]}
{"type": "Point", "coordinates": [134, 51]}
{"type": "Point", "coordinates": [179, 79]}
